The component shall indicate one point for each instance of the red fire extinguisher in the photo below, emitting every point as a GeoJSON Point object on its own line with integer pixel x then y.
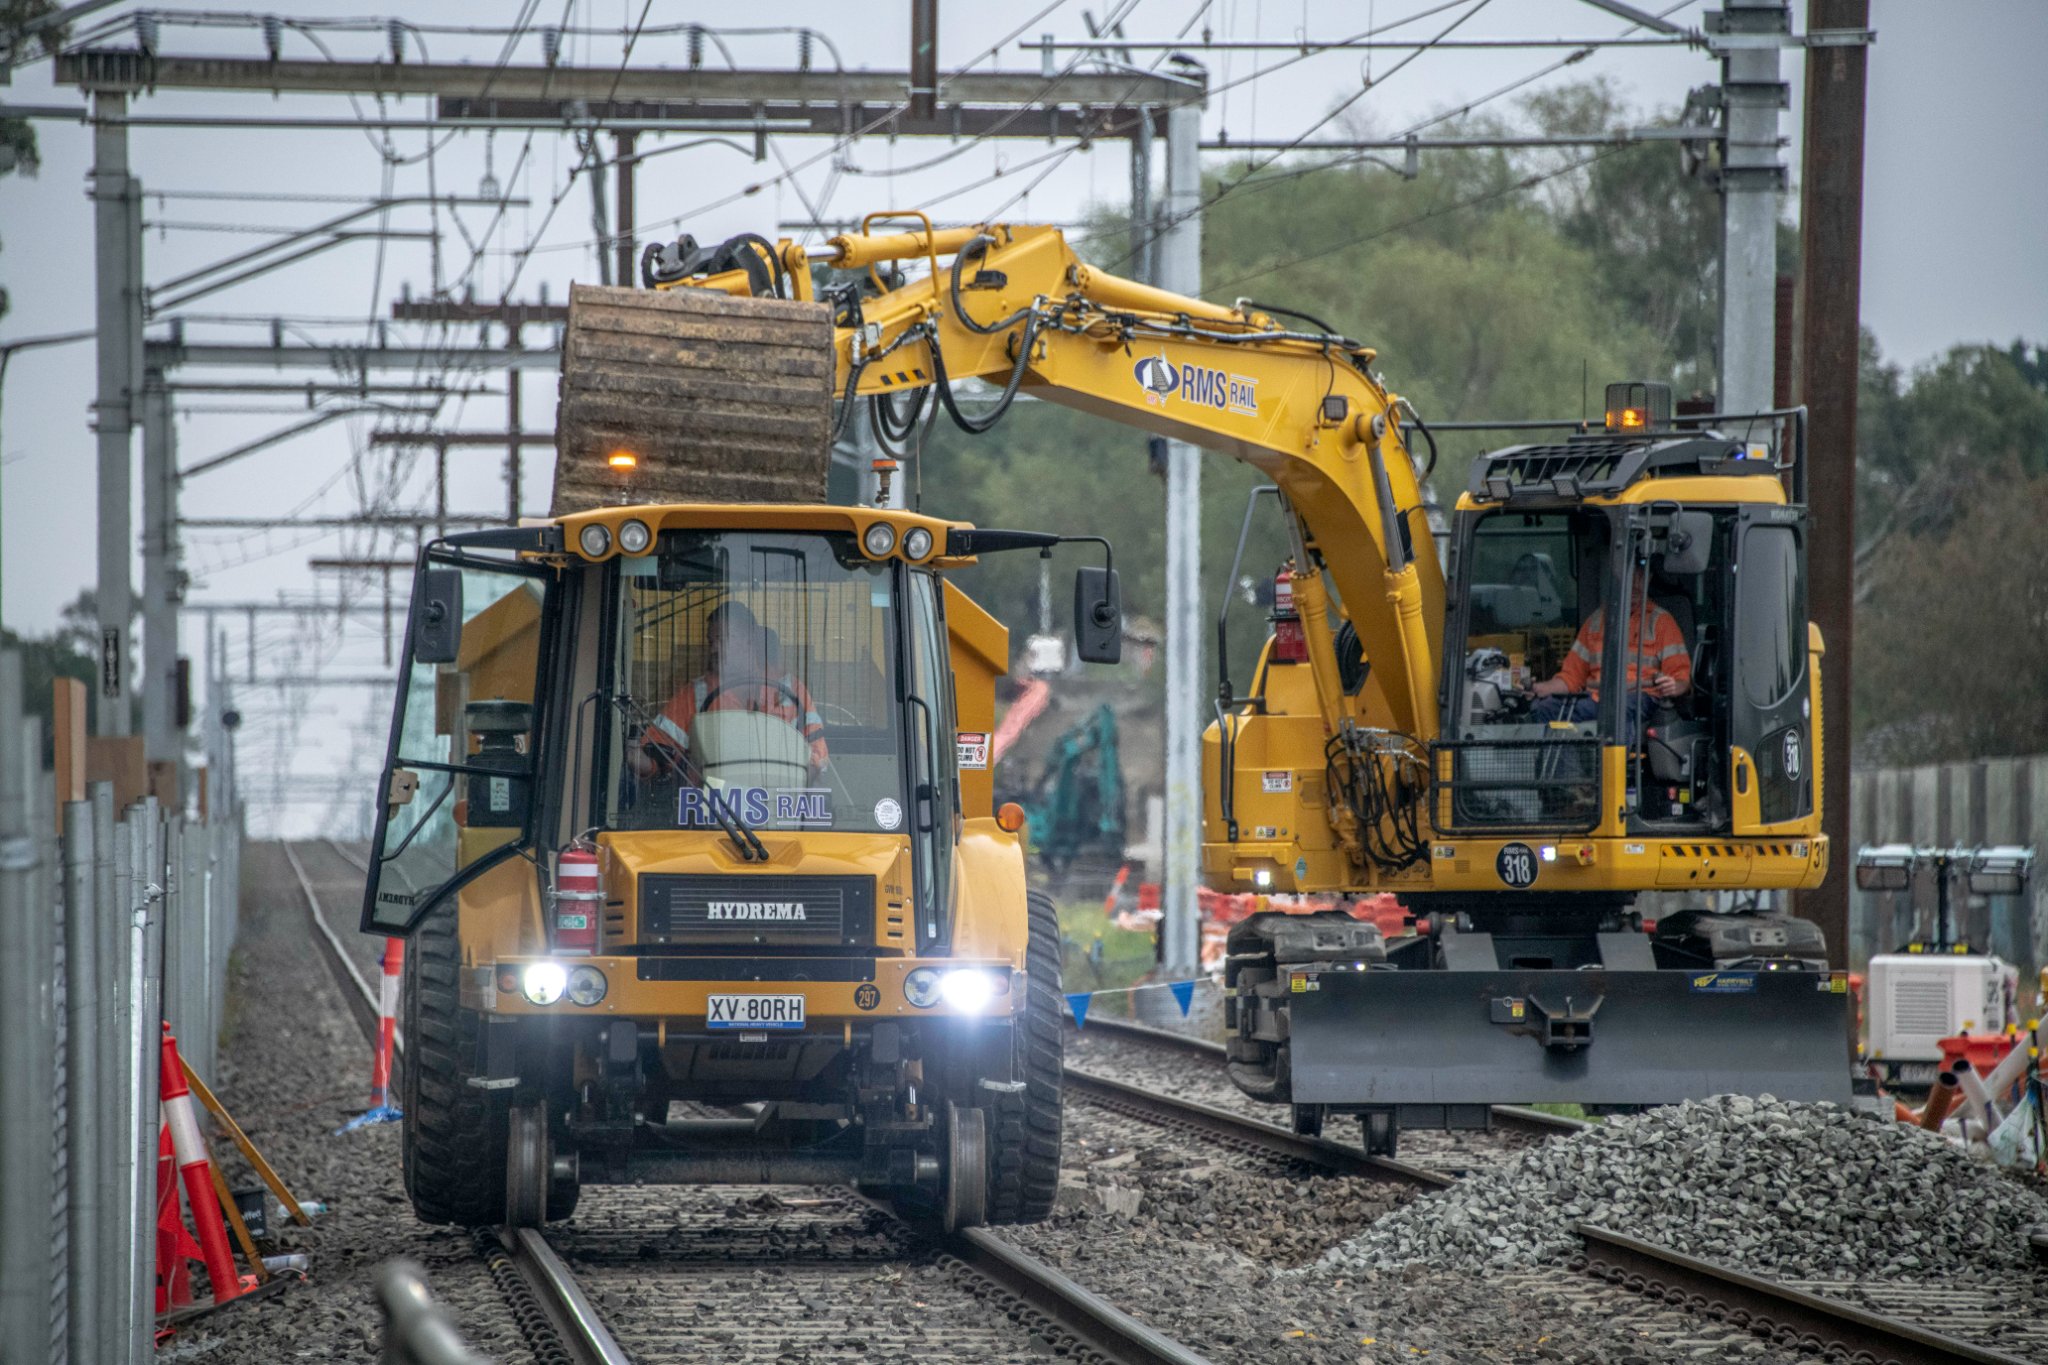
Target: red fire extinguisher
{"type": "Point", "coordinates": [578, 899]}
{"type": "Point", "coordinates": [1290, 646]}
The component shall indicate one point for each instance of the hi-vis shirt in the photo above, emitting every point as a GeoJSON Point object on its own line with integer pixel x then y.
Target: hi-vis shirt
{"type": "Point", "coordinates": [1660, 649]}
{"type": "Point", "coordinates": [672, 727]}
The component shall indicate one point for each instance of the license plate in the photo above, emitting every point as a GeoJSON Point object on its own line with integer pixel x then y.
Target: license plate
{"type": "Point", "coordinates": [755, 1011]}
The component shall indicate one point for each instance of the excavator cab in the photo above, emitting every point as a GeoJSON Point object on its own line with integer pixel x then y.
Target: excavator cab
{"type": "Point", "coordinates": [1697, 718]}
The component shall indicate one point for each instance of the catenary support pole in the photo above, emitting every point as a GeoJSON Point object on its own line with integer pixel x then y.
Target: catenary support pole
{"type": "Point", "coordinates": [1752, 179]}
{"type": "Point", "coordinates": [1180, 269]}
{"type": "Point", "coordinates": [1831, 265]}
{"type": "Point", "coordinates": [117, 248]}
{"type": "Point", "coordinates": [623, 168]}
{"type": "Point", "coordinates": [161, 740]}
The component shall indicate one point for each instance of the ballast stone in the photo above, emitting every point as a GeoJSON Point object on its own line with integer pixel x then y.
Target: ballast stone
{"type": "Point", "coordinates": [1802, 1190]}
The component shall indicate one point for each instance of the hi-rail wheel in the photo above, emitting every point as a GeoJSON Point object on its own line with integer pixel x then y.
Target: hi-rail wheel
{"type": "Point", "coordinates": [963, 1192]}
{"type": "Point", "coordinates": [528, 1169]}
{"type": "Point", "coordinates": [1308, 1119]}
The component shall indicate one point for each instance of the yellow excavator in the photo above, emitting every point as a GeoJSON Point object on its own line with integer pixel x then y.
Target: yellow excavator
{"type": "Point", "coordinates": [1453, 725]}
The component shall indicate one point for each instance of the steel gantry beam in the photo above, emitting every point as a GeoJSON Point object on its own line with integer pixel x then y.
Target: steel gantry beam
{"type": "Point", "coordinates": [596, 85]}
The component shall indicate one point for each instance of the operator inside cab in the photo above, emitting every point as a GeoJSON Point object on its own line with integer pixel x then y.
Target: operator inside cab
{"type": "Point", "coordinates": [745, 678]}
{"type": "Point", "coordinates": [1658, 667]}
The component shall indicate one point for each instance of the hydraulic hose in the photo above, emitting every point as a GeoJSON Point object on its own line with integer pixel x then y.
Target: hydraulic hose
{"type": "Point", "coordinates": [975, 426]}
{"type": "Point", "coordinates": [974, 249]}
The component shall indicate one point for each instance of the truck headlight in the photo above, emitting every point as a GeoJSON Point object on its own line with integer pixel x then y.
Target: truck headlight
{"type": "Point", "coordinates": [595, 539]}
{"type": "Point", "coordinates": [543, 982]}
{"type": "Point", "coordinates": [967, 989]}
{"type": "Point", "coordinates": [879, 538]}
{"type": "Point", "coordinates": [634, 536]}
{"type": "Point", "coordinates": [586, 986]}
{"type": "Point", "coordinates": [921, 987]}
{"type": "Point", "coordinates": [917, 542]}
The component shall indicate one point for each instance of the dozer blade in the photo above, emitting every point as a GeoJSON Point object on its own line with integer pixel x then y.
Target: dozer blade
{"type": "Point", "coordinates": [717, 398]}
{"type": "Point", "coordinates": [1608, 1037]}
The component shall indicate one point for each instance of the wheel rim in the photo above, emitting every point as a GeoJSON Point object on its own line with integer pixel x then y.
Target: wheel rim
{"type": "Point", "coordinates": [964, 1182]}
{"type": "Point", "coordinates": [528, 1171]}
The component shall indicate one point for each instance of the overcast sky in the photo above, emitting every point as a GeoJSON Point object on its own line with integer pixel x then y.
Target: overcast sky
{"type": "Point", "coordinates": [1955, 199]}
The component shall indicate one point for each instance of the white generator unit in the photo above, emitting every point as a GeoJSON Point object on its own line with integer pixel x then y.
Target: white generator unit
{"type": "Point", "coordinates": [1914, 1000]}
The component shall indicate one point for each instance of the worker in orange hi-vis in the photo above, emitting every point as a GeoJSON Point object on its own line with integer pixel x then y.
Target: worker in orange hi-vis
{"type": "Point", "coordinates": [742, 677]}
{"type": "Point", "coordinates": [1656, 664]}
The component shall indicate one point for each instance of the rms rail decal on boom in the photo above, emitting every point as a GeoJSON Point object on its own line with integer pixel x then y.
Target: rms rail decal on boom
{"type": "Point", "coordinates": [1161, 379]}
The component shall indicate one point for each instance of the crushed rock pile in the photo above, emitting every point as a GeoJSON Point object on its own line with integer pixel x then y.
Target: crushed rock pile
{"type": "Point", "coordinates": [1799, 1190]}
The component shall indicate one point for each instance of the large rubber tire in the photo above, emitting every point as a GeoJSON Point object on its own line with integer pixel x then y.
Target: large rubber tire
{"type": "Point", "coordinates": [1024, 1125]}
{"type": "Point", "coordinates": [454, 1143]}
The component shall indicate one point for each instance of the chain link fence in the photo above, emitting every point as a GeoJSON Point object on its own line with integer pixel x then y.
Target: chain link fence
{"type": "Point", "coordinates": [108, 930]}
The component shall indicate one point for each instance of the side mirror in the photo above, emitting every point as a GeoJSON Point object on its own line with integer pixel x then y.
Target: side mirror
{"type": "Point", "coordinates": [437, 616]}
{"type": "Point", "coordinates": [1688, 543]}
{"type": "Point", "coordinates": [1098, 616]}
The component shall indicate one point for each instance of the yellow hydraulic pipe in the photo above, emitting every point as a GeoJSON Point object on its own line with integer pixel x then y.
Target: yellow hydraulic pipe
{"type": "Point", "coordinates": [1114, 291]}
{"type": "Point", "coordinates": [1404, 591]}
{"type": "Point", "coordinates": [1312, 604]}
{"type": "Point", "coordinates": [853, 250]}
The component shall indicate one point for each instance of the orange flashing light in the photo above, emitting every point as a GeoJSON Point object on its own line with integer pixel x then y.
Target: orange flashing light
{"type": "Point", "coordinates": [1010, 817]}
{"type": "Point", "coordinates": [623, 460]}
{"type": "Point", "coordinates": [1628, 419]}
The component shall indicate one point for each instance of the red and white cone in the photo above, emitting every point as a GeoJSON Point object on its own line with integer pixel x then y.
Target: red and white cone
{"type": "Point", "coordinates": [195, 1168]}
{"type": "Point", "coordinates": [381, 1109]}
{"type": "Point", "coordinates": [174, 1245]}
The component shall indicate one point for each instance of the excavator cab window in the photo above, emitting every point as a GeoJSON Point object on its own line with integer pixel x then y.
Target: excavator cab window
{"type": "Point", "coordinates": [752, 685]}
{"type": "Point", "coordinates": [1529, 572]}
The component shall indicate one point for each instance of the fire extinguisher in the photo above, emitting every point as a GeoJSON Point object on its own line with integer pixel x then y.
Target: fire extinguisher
{"type": "Point", "coordinates": [578, 899]}
{"type": "Point", "coordinates": [1290, 646]}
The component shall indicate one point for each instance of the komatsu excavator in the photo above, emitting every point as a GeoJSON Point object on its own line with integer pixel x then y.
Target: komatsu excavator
{"type": "Point", "coordinates": [1392, 738]}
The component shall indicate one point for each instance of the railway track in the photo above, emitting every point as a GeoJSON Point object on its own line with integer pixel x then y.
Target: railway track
{"type": "Point", "coordinates": [1858, 1321]}
{"type": "Point", "coordinates": [1001, 1302]}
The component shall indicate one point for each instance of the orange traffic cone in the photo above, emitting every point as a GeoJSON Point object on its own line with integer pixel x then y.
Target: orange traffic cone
{"type": "Point", "coordinates": [174, 1245]}
{"type": "Point", "coordinates": [195, 1168]}
{"type": "Point", "coordinates": [381, 1109]}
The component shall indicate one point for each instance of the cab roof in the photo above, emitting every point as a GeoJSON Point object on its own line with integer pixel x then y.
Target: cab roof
{"type": "Point", "coordinates": [1603, 465]}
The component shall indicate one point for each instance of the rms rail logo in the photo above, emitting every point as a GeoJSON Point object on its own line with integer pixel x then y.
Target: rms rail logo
{"type": "Point", "coordinates": [1220, 390]}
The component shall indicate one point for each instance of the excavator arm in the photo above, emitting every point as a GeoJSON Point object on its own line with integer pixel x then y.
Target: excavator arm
{"type": "Point", "coordinates": [1013, 305]}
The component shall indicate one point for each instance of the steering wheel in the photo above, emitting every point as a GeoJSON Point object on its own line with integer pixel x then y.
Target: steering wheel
{"type": "Point", "coordinates": [784, 688]}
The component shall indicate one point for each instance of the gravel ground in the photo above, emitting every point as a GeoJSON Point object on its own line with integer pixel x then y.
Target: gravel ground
{"type": "Point", "coordinates": [1772, 1186]}
{"type": "Point", "coordinates": [339, 885]}
{"type": "Point", "coordinates": [1198, 1240]}
{"type": "Point", "coordinates": [1187, 1076]}
{"type": "Point", "coordinates": [295, 1067]}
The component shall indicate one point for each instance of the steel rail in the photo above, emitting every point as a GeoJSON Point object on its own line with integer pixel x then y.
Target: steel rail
{"type": "Point", "coordinates": [357, 993]}
{"type": "Point", "coordinates": [1776, 1312]}
{"type": "Point", "coordinates": [1052, 1294]}
{"type": "Point", "coordinates": [1510, 1116]}
{"type": "Point", "coordinates": [1240, 1130]}
{"type": "Point", "coordinates": [569, 1309]}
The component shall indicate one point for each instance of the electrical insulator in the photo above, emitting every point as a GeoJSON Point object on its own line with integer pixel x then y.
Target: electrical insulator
{"type": "Point", "coordinates": [551, 45]}
{"type": "Point", "coordinates": [803, 49]}
{"type": "Point", "coordinates": [146, 31]}
{"type": "Point", "coordinates": [394, 32]}
{"type": "Point", "coordinates": [696, 46]}
{"type": "Point", "coordinates": [273, 36]}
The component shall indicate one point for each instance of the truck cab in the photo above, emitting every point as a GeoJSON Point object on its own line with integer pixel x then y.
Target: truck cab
{"type": "Point", "coordinates": [689, 805]}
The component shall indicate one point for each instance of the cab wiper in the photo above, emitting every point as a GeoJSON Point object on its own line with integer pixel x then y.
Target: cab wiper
{"type": "Point", "coordinates": [749, 845]}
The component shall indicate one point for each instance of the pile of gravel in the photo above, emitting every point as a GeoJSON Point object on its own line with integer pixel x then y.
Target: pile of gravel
{"type": "Point", "coordinates": [1780, 1188]}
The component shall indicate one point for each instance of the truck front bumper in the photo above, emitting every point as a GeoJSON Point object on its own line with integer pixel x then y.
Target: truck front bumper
{"type": "Point", "coordinates": [836, 991]}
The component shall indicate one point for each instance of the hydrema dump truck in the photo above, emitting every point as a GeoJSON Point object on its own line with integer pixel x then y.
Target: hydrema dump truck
{"type": "Point", "coordinates": [687, 813]}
